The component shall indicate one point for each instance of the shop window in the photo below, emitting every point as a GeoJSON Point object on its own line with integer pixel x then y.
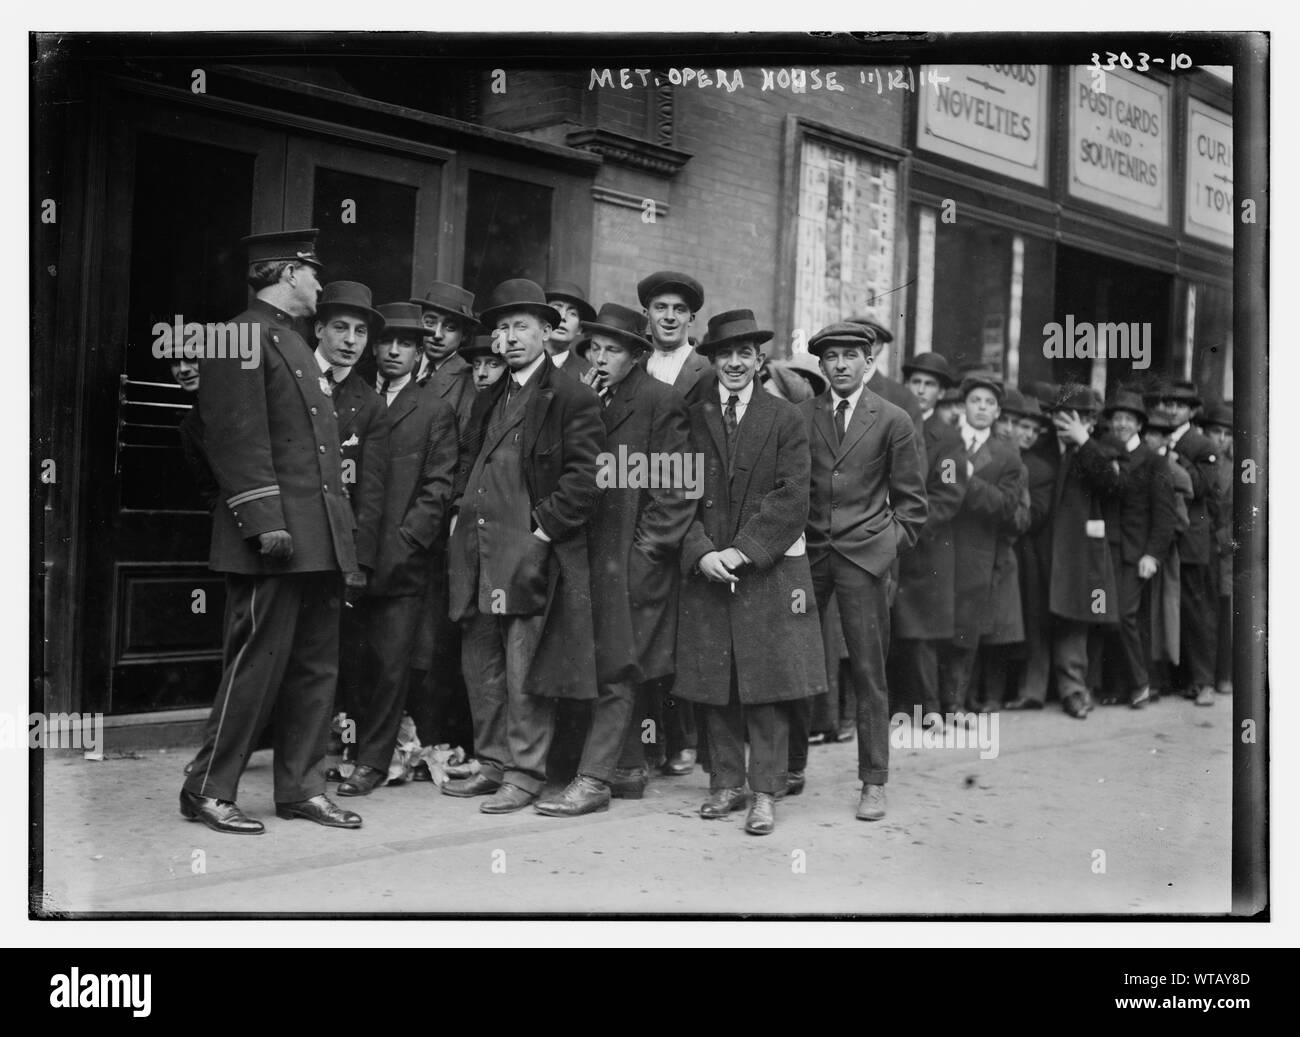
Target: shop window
{"type": "Point", "coordinates": [507, 232]}
{"type": "Point", "coordinates": [846, 240]}
{"type": "Point", "coordinates": [376, 246]}
{"type": "Point", "coordinates": [972, 294]}
{"type": "Point", "coordinates": [1211, 339]}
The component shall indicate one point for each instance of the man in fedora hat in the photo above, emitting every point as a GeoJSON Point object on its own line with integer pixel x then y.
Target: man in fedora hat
{"type": "Point", "coordinates": [986, 609]}
{"type": "Point", "coordinates": [1139, 539]}
{"type": "Point", "coordinates": [867, 506]}
{"type": "Point", "coordinates": [634, 537]}
{"type": "Point", "coordinates": [487, 364]}
{"type": "Point", "coordinates": [1033, 548]}
{"type": "Point", "coordinates": [519, 573]}
{"type": "Point", "coordinates": [748, 643]}
{"type": "Point", "coordinates": [1179, 400]}
{"type": "Point", "coordinates": [922, 616]}
{"type": "Point", "coordinates": [570, 302]}
{"type": "Point", "coordinates": [422, 453]}
{"type": "Point", "coordinates": [447, 312]}
{"type": "Point", "coordinates": [283, 535]}
{"type": "Point", "coordinates": [1084, 591]}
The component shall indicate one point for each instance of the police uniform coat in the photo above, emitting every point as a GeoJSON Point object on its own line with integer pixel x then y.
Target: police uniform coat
{"type": "Point", "coordinates": [924, 608]}
{"type": "Point", "coordinates": [364, 429]}
{"type": "Point", "coordinates": [562, 436]}
{"type": "Point", "coordinates": [987, 607]}
{"type": "Point", "coordinates": [769, 625]}
{"type": "Point", "coordinates": [636, 534]}
{"type": "Point", "coordinates": [272, 440]}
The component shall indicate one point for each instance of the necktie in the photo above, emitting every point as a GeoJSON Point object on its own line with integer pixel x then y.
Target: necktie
{"type": "Point", "coordinates": [729, 416]}
{"type": "Point", "coordinates": [606, 396]}
{"type": "Point", "coordinates": [384, 383]}
{"type": "Point", "coordinates": [841, 418]}
{"type": "Point", "coordinates": [512, 390]}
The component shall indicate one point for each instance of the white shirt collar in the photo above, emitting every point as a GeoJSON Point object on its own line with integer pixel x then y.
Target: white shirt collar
{"type": "Point", "coordinates": [559, 358]}
{"type": "Point", "coordinates": [337, 372]}
{"type": "Point", "coordinates": [743, 395]}
{"type": "Point", "coordinates": [522, 376]}
{"type": "Point", "coordinates": [394, 387]}
{"type": "Point", "coordinates": [1178, 433]}
{"type": "Point", "coordinates": [1132, 442]}
{"type": "Point", "coordinates": [925, 414]}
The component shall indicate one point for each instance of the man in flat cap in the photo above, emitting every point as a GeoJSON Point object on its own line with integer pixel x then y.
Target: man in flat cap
{"type": "Point", "coordinates": [519, 573]}
{"type": "Point", "coordinates": [986, 611]}
{"type": "Point", "coordinates": [634, 537]}
{"type": "Point", "coordinates": [570, 302]}
{"type": "Point", "coordinates": [923, 610]}
{"type": "Point", "coordinates": [1084, 592]}
{"type": "Point", "coordinates": [748, 641]}
{"type": "Point", "coordinates": [1180, 400]}
{"type": "Point", "coordinates": [671, 300]}
{"type": "Point", "coordinates": [868, 505]}
{"type": "Point", "coordinates": [283, 535]}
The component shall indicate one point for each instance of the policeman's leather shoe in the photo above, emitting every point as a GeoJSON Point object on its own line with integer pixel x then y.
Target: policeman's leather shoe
{"type": "Point", "coordinates": [319, 809]}
{"type": "Point", "coordinates": [584, 795]}
{"type": "Point", "coordinates": [1205, 695]}
{"type": "Point", "coordinates": [221, 815]}
{"type": "Point", "coordinates": [722, 802]}
{"type": "Point", "coordinates": [478, 785]}
{"type": "Point", "coordinates": [794, 783]}
{"type": "Point", "coordinates": [506, 800]}
{"type": "Point", "coordinates": [679, 764]}
{"type": "Point", "coordinates": [762, 815]}
{"type": "Point", "coordinates": [871, 805]}
{"type": "Point", "coordinates": [1140, 698]}
{"type": "Point", "coordinates": [629, 783]}
{"type": "Point", "coordinates": [1022, 703]}
{"type": "Point", "coordinates": [364, 780]}
{"type": "Point", "coordinates": [1076, 705]}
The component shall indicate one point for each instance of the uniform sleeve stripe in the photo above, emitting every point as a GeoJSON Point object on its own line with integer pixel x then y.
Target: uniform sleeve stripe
{"type": "Point", "coordinates": [248, 495]}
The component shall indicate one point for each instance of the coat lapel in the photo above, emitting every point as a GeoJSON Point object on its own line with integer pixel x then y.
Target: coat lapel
{"type": "Point", "coordinates": [404, 403]}
{"type": "Point", "coordinates": [864, 416]}
{"type": "Point", "coordinates": [713, 421]}
{"type": "Point", "coordinates": [824, 420]}
{"type": "Point", "coordinates": [444, 378]}
{"type": "Point", "coordinates": [623, 404]}
{"type": "Point", "coordinates": [751, 437]}
{"type": "Point", "coordinates": [536, 408]}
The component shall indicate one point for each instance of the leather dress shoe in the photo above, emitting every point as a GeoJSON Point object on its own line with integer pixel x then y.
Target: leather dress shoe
{"type": "Point", "coordinates": [722, 802]}
{"type": "Point", "coordinates": [1022, 703]}
{"type": "Point", "coordinates": [506, 800]}
{"type": "Point", "coordinates": [679, 764]}
{"type": "Point", "coordinates": [794, 783]}
{"type": "Point", "coordinates": [762, 815]}
{"type": "Point", "coordinates": [221, 815]}
{"type": "Point", "coordinates": [629, 783]}
{"type": "Point", "coordinates": [871, 805]}
{"type": "Point", "coordinates": [1205, 695]}
{"type": "Point", "coordinates": [319, 809]}
{"type": "Point", "coordinates": [1076, 705]}
{"type": "Point", "coordinates": [478, 785]}
{"type": "Point", "coordinates": [584, 795]}
{"type": "Point", "coordinates": [364, 780]}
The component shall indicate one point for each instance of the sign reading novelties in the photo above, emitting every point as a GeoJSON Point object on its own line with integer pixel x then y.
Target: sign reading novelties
{"type": "Point", "coordinates": [1208, 213]}
{"type": "Point", "coordinates": [1119, 142]}
{"type": "Point", "coordinates": [992, 116]}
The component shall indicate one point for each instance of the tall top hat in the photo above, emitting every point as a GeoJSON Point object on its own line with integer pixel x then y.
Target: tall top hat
{"type": "Point", "coordinates": [842, 333]}
{"type": "Point", "coordinates": [518, 295]}
{"type": "Point", "coordinates": [402, 317]}
{"type": "Point", "coordinates": [450, 299]}
{"type": "Point", "coordinates": [1126, 400]}
{"type": "Point", "coordinates": [349, 295]}
{"type": "Point", "coordinates": [662, 281]}
{"type": "Point", "coordinates": [973, 380]}
{"type": "Point", "coordinates": [619, 323]}
{"type": "Point", "coordinates": [931, 364]}
{"type": "Point", "coordinates": [731, 328]}
{"type": "Point", "coordinates": [567, 291]}
{"type": "Point", "coordinates": [283, 246]}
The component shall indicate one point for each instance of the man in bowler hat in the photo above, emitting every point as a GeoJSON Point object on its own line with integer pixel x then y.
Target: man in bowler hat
{"type": "Point", "coordinates": [519, 573]}
{"type": "Point", "coordinates": [447, 313]}
{"type": "Point", "coordinates": [283, 535]}
{"type": "Point", "coordinates": [570, 302]}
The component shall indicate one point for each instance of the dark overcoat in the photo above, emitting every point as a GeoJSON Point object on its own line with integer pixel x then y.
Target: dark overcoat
{"type": "Point", "coordinates": [696, 375]}
{"type": "Point", "coordinates": [987, 607]}
{"type": "Point", "coordinates": [769, 626]}
{"type": "Point", "coordinates": [924, 608]}
{"type": "Point", "coordinates": [1088, 488]}
{"type": "Point", "coordinates": [422, 458]}
{"type": "Point", "coordinates": [1146, 506]}
{"type": "Point", "coordinates": [363, 437]}
{"type": "Point", "coordinates": [1198, 458]}
{"type": "Point", "coordinates": [636, 531]}
{"type": "Point", "coordinates": [1034, 546]}
{"type": "Point", "coordinates": [454, 383]}
{"type": "Point", "coordinates": [575, 366]}
{"type": "Point", "coordinates": [270, 435]}
{"type": "Point", "coordinates": [562, 437]}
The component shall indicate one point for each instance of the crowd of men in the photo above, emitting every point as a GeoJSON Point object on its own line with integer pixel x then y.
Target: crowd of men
{"type": "Point", "coordinates": [442, 508]}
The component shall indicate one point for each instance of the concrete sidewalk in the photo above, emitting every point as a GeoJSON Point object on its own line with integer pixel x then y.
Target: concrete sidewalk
{"type": "Point", "coordinates": [1023, 833]}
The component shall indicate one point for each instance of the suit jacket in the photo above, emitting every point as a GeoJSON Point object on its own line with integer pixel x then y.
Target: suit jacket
{"type": "Point", "coordinates": [364, 428]}
{"type": "Point", "coordinates": [563, 434]}
{"type": "Point", "coordinates": [1089, 484]}
{"type": "Point", "coordinates": [769, 626]}
{"type": "Point", "coordinates": [1197, 455]}
{"type": "Point", "coordinates": [271, 437]}
{"type": "Point", "coordinates": [868, 492]}
{"type": "Point", "coordinates": [576, 366]}
{"type": "Point", "coordinates": [1145, 516]}
{"type": "Point", "coordinates": [636, 532]}
{"type": "Point", "coordinates": [695, 376]}
{"type": "Point", "coordinates": [190, 431]}
{"type": "Point", "coordinates": [422, 456]}
{"type": "Point", "coordinates": [453, 382]}
{"type": "Point", "coordinates": [987, 607]}
{"type": "Point", "coordinates": [927, 574]}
